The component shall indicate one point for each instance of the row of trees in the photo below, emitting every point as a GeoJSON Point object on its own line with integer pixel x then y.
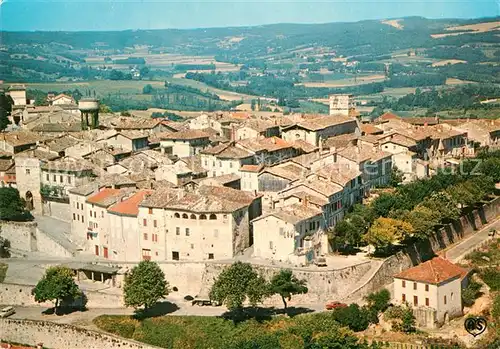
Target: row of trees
{"type": "Point", "coordinates": [413, 211]}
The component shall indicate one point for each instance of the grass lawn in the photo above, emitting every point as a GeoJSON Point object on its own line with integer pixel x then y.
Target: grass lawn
{"type": "Point", "coordinates": [187, 332]}
{"type": "Point", "coordinates": [3, 271]}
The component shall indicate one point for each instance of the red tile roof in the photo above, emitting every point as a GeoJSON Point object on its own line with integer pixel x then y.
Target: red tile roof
{"type": "Point", "coordinates": [370, 129]}
{"type": "Point", "coordinates": [103, 194]}
{"type": "Point", "coordinates": [388, 116]}
{"type": "Point", "coordinates": [130, 206]}
{"type": "Point", "coordinates": [434, 271]}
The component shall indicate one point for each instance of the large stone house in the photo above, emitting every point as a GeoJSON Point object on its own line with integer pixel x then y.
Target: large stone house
{"type": "Point", "coordinates": [185, 143]}
{"type": "Point", "coordinates": [433, 289]}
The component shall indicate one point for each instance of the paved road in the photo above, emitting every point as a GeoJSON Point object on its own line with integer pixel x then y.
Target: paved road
{"type": "Point", "coordinates": [456, 252]}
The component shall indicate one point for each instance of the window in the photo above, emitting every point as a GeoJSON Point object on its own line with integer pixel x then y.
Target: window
{"type": "Point", "coordinates": [176, 215]}
{"type": "Point", "coordinates": [47, 177]}
{"type": "Point", "coordinates": [78, 217]}
{"type": "Point", "coordinates": [145, 236]}
{"type": "Point", "coordinates": [270, 245]}
{"type": "Point", "coordinates": [444, 299]}
{"type": "Point", "coordinates": [28, 171]}
{"type": "Point", "coordinates": [403, 298]}
{"type": "Point", "coordinates": [427, 288]}
{"type": "Point", "coordinates": [230, 165]}
{"type": "Point", "coordinates": [415, 300]}
{"type": "Point", "coordinates": [212, 217]}
{"type": "Point", "coordinates": [69, 180]}
{"type": "Point", "coordinates": [54, 177]}
{"type": "Point", "coordinates": [90, 213]}
{"type": "Point", "coordinates": [177, 231]}
{"type": "Point", "coordinates": [220, 163]}
{"type": "Point", "coordinates": [146, 254]}
{"type": "Point", "coordinates": [95, 214]}
{"type": "Point", "coordinates": [202, 216]}
{"type": "Point", "coordinates": [184, 216]}
{"type": "Point", "coordinates": [155, 223]}
{"type": "Point", "coordinates": [427, 302]}
{"type": "Point", "coordinates": [175, 255]}
{"type": "Point", "coordinates": [77, 205]}
{"type": "Point", "coordinates": [404, 284]}
{"type": "Point", "coordinates": [83, 219]}
{"type": "Point", "coordinates": [150, 210]}
{"type": "Point", "coordinates": [154, 237]}
{"type": "Point", "coordinates": [74, 216]}
{"type": "Point", "coordinates": [102, 214]}
{"type": "Point", "coordinates": [192, 216]}
{"type": "Point", "coordinates": [414, 285]}
{"type": "Point", "coordinates": [97, 250]}
{"type": "Point", "coordinates": [145, 222]}
{"type": "Point", "coordinates": [210, 256]}
{"type": "Point", "coordinates": [61, 179]}
{"type": "Point", "coordinates": [452, 296]}
{"type": "Point", "coordinates": [187, 231]}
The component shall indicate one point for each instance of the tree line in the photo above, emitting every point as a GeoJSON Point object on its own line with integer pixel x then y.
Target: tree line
{"type": "Point", "coordinates": [413, 211]}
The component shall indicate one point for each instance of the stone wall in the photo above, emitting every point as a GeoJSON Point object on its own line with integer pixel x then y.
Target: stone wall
{"type": "Point", "coordinates": [17, 294]}
{"type": "Point", "coordinates": [26, 237]}
{"type": "Point", "coordinates": [61, 336]}
{"type": "Point", "coordinates": [22, 235]}
{"type": "Point", "coordinates": [57, 209]}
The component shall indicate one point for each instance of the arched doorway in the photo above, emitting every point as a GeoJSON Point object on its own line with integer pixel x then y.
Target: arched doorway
{"type": "Point", "coordinates": [29, 201]}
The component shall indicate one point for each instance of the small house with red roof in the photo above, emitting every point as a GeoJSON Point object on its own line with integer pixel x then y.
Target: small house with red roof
{"type": "Point", "coordinates": [433, 289]}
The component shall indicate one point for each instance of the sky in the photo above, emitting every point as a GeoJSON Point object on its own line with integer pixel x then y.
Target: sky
{"type": "Point", "coordinates": [73, 15]}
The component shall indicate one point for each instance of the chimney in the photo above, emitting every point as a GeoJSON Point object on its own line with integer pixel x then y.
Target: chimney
{"type": "Point", "coordinates": [305, 202]}
{"type": "Point", "coordinates": [425, 124]}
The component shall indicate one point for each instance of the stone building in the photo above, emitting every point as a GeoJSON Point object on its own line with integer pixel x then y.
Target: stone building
{"type": "Point", "coordinates": [433, 289]}
{"type": "Point", "coordinates": [289, 234]}
{"type": "Point", "coordinates": [185, 143]}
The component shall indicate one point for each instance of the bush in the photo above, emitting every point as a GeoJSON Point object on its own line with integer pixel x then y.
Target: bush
{"type": "Point", "coordinates": [354, 317]}
{"type": "Point", "coordinates": [402, 319]}
{"type": "Point", "coordinates": [471, 293]}
{"type": "Point", "coordinates": [378, 302]}
{"type": "Point", "coordinates": [491, 277]}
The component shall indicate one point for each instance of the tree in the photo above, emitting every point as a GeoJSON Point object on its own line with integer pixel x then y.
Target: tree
{"type": "Point", "coordinates": [382, 205]}
{"type": "Point", "coordinates": [145, 285]}
{"type": "Point", "coordinates": [379, 301]}
{"type": "Point", "coordinates": [423, 220]}
{"type": "Point", "coordinates": [12, 206]}
{"type": "Point", "coordinates": [353, 316]}
{"type": "Point", "coordinates": [4, 247]}
{"type": "Point", "coordinates": [397, 177]}
{"type": "Point", "coordinates": [147, 89]}
{"type": "Point", "coordinates": [237, 283]}
{"type": "Point", "coordinates": [385, 232]}
{"type": "Point", "coordinates": [6, 104]}
{"type": "Point", "coordinates": [443, 204]}
{"type": "Point", "coordinates": [285, 284]}
{"type": "Point", "coordinates": [56, 285]}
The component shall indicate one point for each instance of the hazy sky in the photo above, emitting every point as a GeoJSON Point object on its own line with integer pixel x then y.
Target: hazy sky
{"type": "Point", "coordinates": [136, 14]}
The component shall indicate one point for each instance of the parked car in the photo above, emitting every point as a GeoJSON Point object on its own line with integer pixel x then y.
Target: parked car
{"type": "Point", "coordinates": [320, 262]}
{"type": "Point", "coordinates": [335, 305]}
{"type": "Point", "coordinates": [492, 232]}
{"type": "Point", "coordinates": [7, 311]}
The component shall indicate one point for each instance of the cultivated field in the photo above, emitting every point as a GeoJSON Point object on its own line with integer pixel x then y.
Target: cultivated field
{"type": "Point", "coordinates": [470, 29]}
{"type": "Point", "coordinates": [447, 61]}
{"type": "Point", "coordinates": [346, 82]}
{"type": "Point", "coordinates": [393, 23]}
{"type": "Point", "coordinates": [163, 60]}
{"type": "Point", "coordinates": [453, 81]}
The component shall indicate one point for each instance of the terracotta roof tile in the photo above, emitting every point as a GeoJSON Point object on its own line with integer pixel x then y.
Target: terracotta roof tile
{"type": "Point", "coordinates": [434, 271]}
{"type": "Point", "coordinates": [251, 168]}
{"type": "Point", "coordinates": [130, 206]}
{"type": "Point", "coordinates": [186, 134]}
{"type": "Point", "coordinates": [369, 129]}
{"type": "Point", "coordinates": [107, 196]}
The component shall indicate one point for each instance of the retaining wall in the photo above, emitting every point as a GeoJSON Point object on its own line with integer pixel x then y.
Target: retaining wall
{"type": "Point", "coordinates": [61, 336]}
{"type": "Point", "coordinates": [18, 294]}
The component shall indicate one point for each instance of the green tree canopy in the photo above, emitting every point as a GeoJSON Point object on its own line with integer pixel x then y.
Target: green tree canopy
{"type": "Point", "coordinates": [6, 103]}
{"type": "Point", "coordinates": [385, 232]}
{"type": "Point", "coordinates": [238, 283]}
{"type": "Point", "coordinates": [379, 301]}
{"type": "Point", "coordinates": [56, 285]}
{"type": "Point", "coordinates": [423, 220]}
{"type": "Point", "coordinates": [145, 285]}
{"type": "Point", "coordinates": [444, 204]}
{"type": "Point", "coordinates": [12, 206]}
{"type": "Point", "coordinates": [285, 284]}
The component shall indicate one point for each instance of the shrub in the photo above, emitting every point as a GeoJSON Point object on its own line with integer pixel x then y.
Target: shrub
{"type": "Point", "coordinates": [378, 301]}
{"type": "Point", "coordinates": [471, 293]}
{"type": "Point", "coordinates": [402, 319]}
{"type": "Point", "coordinates": [491, 277]}
{"type": "Point", "coordinates": [354, 317]}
